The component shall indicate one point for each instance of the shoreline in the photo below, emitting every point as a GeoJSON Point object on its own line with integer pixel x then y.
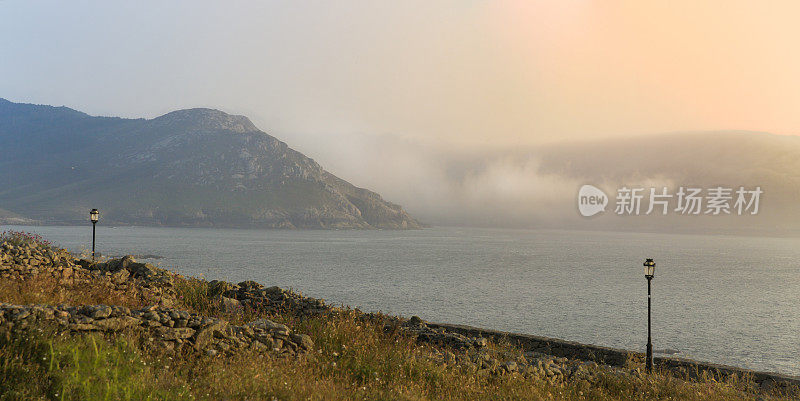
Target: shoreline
{"type": "Point", "coordinates": [614, 356]}
{"type": "Point", "coordinates": [199, 321]}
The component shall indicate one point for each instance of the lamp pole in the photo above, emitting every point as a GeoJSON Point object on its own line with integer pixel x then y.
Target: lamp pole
{"type": "Point", "coordinates": [649, 273]}
{"type": "Point", "coordinates": [94, 215]}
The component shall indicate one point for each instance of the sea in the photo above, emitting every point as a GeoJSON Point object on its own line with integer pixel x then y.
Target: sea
{"type": "Point", "coordinates": [723, 299]}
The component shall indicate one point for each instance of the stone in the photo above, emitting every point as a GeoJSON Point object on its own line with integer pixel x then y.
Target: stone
{"type": "Point", "coordinates": [509, 366]}
{"type": "Point", "coordinates": [250, 285]}
{"type": "Point", "coordinates": [230, 304]}
{"type": "Point", "coordinates": [82, 327]}
{"type": "Point", "coordinates": [303, 340]}
{"type": "Point", "coordinates": [258, 346]}
{"type": "Point", "coordinates": [274, 290]}
{"type": "Point", "coordinates": [120, 311]}
{"type": "Point", "coordinates": [266, 340]}
{"type": "Point", "coordinates": [126, 261]}
{"type": "Point", "coordinates": [101, 312]}
{"type": "Point", "coordinates": [204, 335]}
{"type": "Point", "coordinates": [211, 352]}
{"type": "Point", "coordinates": [266, 324]}
{"type": "Point", "coordinates": [167, 333]}
{"type": "Point", "coordinates": [117, 323]}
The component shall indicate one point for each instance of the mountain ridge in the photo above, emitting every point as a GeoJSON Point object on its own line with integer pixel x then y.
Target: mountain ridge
{"type": "Point", "coordinates": [190, 167]}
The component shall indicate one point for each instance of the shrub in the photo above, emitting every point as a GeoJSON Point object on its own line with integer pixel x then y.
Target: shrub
{"type": "Point", "coordinates": [18, 238]}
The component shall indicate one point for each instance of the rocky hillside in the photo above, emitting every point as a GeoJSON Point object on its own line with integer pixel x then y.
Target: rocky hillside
{"type": "Point", "coordinates": [198, 167]}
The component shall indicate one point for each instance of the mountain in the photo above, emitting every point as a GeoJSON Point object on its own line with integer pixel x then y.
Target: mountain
{"type": "Point", "coordinates": [196, 167]}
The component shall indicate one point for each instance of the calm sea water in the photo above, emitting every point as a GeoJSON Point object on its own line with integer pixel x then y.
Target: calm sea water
{"type": "Point", "coordinates": [723, 299]}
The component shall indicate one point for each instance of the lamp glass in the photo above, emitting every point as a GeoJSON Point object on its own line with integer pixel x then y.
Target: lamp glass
{"type": "Point", "coordinates": [649, 268]}
{"type": "Point", "coordinates": [94, 215]}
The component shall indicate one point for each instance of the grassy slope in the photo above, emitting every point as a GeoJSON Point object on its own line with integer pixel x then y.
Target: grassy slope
{"type": "Point", "coordinates": [353, 359]}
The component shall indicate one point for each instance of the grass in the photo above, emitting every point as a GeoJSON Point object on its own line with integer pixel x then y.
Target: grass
{"type": "Point", "coordinates": [49, 291]}
{"type": "Point", "coordinates": [353, 359]}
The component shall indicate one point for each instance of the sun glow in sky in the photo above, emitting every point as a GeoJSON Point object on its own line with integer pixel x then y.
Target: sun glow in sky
{"type": "Point", "coordinates": [659, 66]}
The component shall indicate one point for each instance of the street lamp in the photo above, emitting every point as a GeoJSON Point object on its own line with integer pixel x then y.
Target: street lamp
{"type": "Point", "coordinates": [94, 215]}
{"type": "Point", "coordinates": [649, 272]}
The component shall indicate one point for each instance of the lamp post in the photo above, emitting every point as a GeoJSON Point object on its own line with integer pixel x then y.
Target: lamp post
{"type": "Point", "coordinates": [94, 215]}
{"type": "Point", "coordinates": [649, 272]}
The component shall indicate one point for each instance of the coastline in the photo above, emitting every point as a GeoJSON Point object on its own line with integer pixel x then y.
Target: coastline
{"type": "Point", "coordinates": [618, 357]}
{"type": "Point", "coordinates": [191, 319]}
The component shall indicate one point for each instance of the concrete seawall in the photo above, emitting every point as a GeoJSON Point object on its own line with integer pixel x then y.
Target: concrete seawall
{"type": "Point", "coordinates": [617, 357]}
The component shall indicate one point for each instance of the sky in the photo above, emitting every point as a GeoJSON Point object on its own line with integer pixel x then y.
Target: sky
{"type": "Point", "coordinates": [407, 97]}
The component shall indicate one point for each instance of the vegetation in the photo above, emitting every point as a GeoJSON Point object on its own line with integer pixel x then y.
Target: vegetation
{"type": "Point", "coordinates": [18, 238]}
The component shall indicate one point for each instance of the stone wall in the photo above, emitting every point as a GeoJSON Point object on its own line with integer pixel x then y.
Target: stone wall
{"type": "Point", "coordinates": [164, 328]}
{"type": "Point", "coordinates": [21, 262]}
{"type": "Point", "coordinates": [617, 357]}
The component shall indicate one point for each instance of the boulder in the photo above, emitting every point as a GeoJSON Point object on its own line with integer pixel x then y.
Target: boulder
{"type": "Point", "coordinates": [303, 340]}
{"type": "Point", "coordinates": [204, 335]}
{"type": "Point", "coordinates": [230, 304]}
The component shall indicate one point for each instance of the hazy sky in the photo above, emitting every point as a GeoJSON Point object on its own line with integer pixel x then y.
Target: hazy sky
{"type": "Point", "coordinates": [379, 91]}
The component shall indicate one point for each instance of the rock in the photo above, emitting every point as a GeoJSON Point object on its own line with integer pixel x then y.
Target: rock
{"type": "Point", "coordinates": [174, 334]}
{"type": "Point", "coordinates": [269, 325]}
{"type": "Point", "coordinates": [274, 290]}
{"type": "Point", "coordinates": [258, 346]}
{"type": "Point", "coordinates": [230, 304]}
{"type": "Point", "coordinates": [303, 340]}
{"type": "Point", "coordinates": [509, 366]}
{"type": "Point", "coordinates": [20, 314]}
{"type": "Point", "coordinates": [101, 312]}
{"type": "Point", "coordinates": [82, 327]}
{"type": "Point", "coordinates": [211, 352]}
{"type": "Point", "coordinates": [204, 335]}
{"type": "Point", "coordinates": [250, 285]}
{"type": "Point", "coordinates": [126, 261]}
{"type": "Point", "coordinates": [116, 323]}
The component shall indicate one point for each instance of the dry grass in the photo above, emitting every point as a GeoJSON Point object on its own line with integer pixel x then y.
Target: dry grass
{"type": "Point", "coordinates": [49, 290]}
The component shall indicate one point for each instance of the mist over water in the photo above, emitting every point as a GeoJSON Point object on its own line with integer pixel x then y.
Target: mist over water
{"type": "Point", "coordinates": [723, 299]}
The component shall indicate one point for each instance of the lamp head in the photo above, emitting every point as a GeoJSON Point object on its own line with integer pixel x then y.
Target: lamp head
{"type": "Point", "coordinates": [94, 215]}
{"type": "Point", "coordinates": [649, 268]}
